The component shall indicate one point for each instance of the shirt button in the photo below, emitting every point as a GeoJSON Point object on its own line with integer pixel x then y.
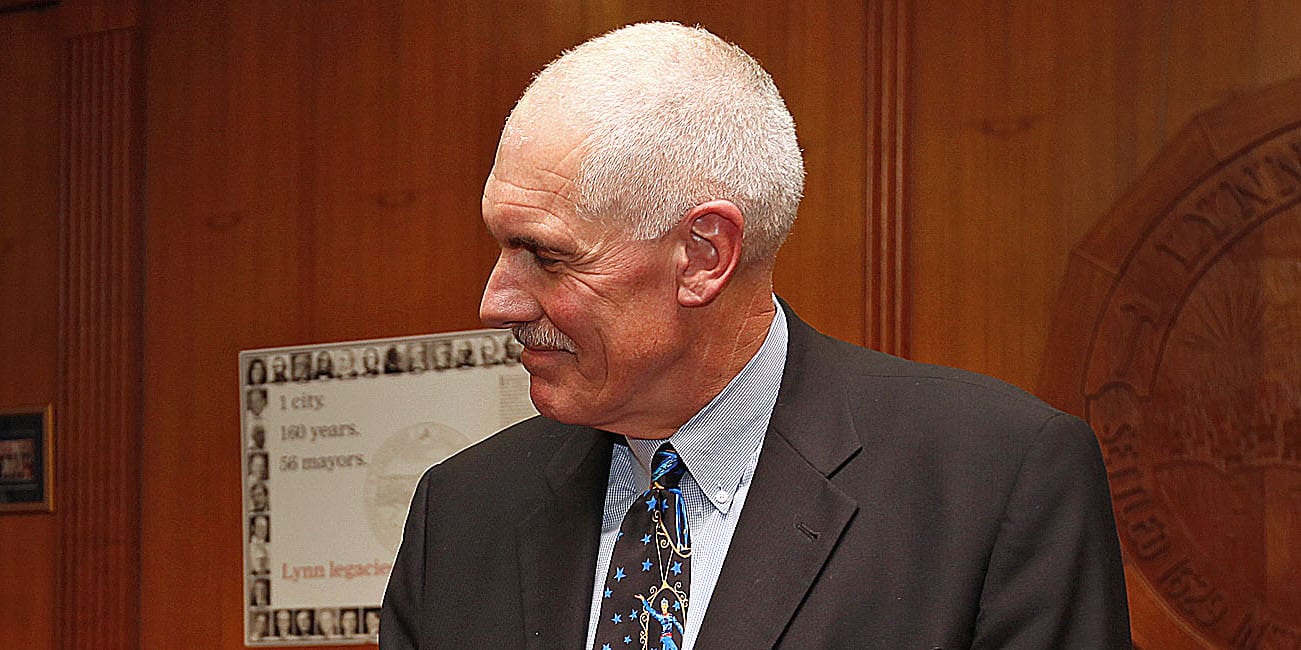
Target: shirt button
{"type": "Point", "coordinates": [722, 496]}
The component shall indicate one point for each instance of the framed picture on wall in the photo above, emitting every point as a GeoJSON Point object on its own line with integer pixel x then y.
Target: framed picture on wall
{"type": "Point", "coordinates": [25, 459]}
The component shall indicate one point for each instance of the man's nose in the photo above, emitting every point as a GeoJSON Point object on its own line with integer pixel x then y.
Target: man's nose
{"type": "Point", "coordinates": [505, 302]}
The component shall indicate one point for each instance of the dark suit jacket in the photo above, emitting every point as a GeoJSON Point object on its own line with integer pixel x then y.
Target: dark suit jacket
{"type": "Point", "coordinates": [895, 505]}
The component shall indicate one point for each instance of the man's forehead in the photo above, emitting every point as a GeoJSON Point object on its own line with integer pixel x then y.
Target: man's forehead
{"type": "Point", "coordinates": [538, 155]}
{"type": "Point", "coordinates": [530, 190]}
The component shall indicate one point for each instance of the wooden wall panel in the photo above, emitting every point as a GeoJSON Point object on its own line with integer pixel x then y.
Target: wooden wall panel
{"type": "Point", "coordinates": [314, 174]}
{"type": "Point", "coordinates": [29, 298]}
{"type": "Point", "coordinates": [228, 95]}
{"type": "Point", "coordinates": [1030, 119]}
{"type": "Point", "coordinates": [887, 307]}
{"type": "Point", "coordinates": [1010, 165]}
{"type": "Point", "coordinates": [97, 465]}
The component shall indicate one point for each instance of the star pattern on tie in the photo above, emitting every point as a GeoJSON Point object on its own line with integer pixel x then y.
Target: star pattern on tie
{"type": "Point", "coordinates": [658, 541]}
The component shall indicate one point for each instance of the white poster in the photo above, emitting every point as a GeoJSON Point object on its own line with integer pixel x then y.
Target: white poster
{"type": "Point", "coordinates": [333, 440]}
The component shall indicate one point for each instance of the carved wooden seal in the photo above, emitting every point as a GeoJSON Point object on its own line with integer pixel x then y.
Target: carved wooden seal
{"type": "Point", "coordinates": [1178, 337]}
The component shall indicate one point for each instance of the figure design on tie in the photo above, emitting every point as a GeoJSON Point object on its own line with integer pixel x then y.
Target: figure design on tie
{"type": "Point", "coordinates": [668, 622]}
{"type": "Point", "coordinates": [650, 563]}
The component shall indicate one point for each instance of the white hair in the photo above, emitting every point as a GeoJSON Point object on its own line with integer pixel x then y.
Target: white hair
{"type": "Point", "coordinates": [673, 116]}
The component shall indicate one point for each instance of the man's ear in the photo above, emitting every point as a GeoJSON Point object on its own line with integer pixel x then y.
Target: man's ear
{"type": "Point", "coordinates": [710, 238]}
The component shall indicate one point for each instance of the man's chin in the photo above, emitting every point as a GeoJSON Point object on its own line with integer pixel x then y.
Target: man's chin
{"type": "Point", "coordinates": [551, 403]}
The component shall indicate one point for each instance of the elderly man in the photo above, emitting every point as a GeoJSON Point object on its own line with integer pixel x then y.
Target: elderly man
{"type": "Point", "coordinates": [708, 471]}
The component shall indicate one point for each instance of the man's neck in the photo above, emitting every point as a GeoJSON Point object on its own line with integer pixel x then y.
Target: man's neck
{"type": "Point", "coordinates": [721, 340]}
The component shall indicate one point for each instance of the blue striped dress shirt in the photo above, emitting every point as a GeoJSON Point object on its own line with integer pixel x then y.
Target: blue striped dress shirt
{"type": "Point", "coordinates": [720, 447]}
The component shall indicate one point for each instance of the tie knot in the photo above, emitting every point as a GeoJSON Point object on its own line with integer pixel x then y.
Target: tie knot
{"type": "Point", "coordinates": [667, 468]}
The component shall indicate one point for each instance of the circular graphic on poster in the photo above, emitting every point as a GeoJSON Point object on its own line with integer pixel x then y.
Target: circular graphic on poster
{"type": "Point", "coordinates": [396, 467]}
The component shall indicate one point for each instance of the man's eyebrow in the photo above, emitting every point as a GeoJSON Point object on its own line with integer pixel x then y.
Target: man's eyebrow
{"type": "Point", "coordinates": [531, 244]}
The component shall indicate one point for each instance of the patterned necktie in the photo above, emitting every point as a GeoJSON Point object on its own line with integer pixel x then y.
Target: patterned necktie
{"type": "Point", "coordinates": [644, 605]}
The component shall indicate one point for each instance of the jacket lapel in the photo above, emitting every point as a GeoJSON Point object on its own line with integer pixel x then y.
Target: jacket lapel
{"type": "Point", "coordinates": [793, 515]}
{"type": "Point", "coordinates": [558, 543]}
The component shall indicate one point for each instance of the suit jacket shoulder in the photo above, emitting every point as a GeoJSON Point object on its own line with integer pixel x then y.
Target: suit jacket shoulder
{"type": "Point", "coordinates": [868, 377]}
{"type": "Point", "coordinates": [948, 509]}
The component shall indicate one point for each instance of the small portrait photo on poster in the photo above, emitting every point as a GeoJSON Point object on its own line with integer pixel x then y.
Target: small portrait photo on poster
{"type": "Point", "coordinates": [327, 622]}
{"type": "Point", "coordinates": [279, 369]}
{"type": "Point", "coordinates": [257, 467]}
{"type": "Point", "coordinates": [513, 349]}
{"type": "Point", "coordinates": [489, 353]}
{"type": "Point", "coordinates": [442, 354]}
{"type": "Point", "coordinates": [259, 497]}
{"type": "Point", "coordinates": [349, 622]}
{"type": "Point", "coordinates": [416, 362]}
{"type": "Point", "coordinates": [284, 624]}
{"type": "Point", "coordinates": [370, 362]}
{"type": "Point", "coordinates": [345, 364]}
{"type": "Point", "coordinates": [259, 626]}
{"type": "Point", "coordinates": [260, 593]}
{"type": "Point", "coordinates": [257, 436]}
{"type": "Point", "coordinates": [256, 399]}
{"type": "Point", "coordinates": [465, 354]}
{"type": "Point", "coordinates": [324, 365]}
{"type": "Point", "coordinates": [302, 366]}
{"type": "Point", "coordinates": [371, 618]}
{"type": "Point", "coordinates": [303, 622]}
{"type": "Point", "coordinates": [259, 560]}
{"type": "Point", "coordinates": [257, 372]}
{"type": "Point", "coordinates": [393, 361]}
{"type": "Point", "coordinates": [259, 529]}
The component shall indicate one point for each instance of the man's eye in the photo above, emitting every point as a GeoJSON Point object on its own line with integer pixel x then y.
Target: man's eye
{"type": "Point", "coordinates": [546, 262]}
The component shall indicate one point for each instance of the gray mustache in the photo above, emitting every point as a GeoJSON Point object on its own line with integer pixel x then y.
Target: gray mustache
{"type": "Point", "coordinates": [537, 336]}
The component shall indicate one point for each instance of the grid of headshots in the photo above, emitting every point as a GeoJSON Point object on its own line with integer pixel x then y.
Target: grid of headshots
{"type": "Point", "coordinates": [267, 622]}
{"type": "Point", "coordinates": [314, 624]}
{"type": "Point", "coordinates": [410, 356]}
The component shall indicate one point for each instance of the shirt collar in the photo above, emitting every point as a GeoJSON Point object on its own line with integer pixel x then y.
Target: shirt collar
{"type": "Point", "coordinates": [720, 443]}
